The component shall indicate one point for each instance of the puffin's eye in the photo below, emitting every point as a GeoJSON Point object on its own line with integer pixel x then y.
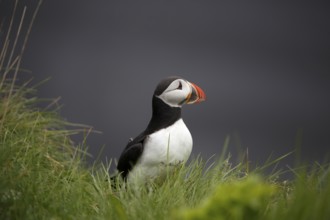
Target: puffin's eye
{"type": "Point", "coordinates": [180, 86]}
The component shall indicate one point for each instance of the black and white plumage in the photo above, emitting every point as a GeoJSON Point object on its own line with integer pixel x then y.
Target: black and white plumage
{"type": "Point", "coordinates": [166, 141]}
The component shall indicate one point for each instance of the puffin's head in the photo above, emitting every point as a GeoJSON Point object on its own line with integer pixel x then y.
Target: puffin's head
{"type": "Point", "coordinates": [176, 91]}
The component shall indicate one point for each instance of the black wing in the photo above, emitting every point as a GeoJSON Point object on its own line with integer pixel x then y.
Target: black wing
{"type": "Point", "coordinates": [130, 156]}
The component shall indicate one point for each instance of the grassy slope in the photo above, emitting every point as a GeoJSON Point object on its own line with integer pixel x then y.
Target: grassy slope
{"type": "Point", "coordinates": [43, 176]}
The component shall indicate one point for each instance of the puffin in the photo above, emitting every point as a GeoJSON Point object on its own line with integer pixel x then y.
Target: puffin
{"type": "Point", "coordinates": [166, 142]}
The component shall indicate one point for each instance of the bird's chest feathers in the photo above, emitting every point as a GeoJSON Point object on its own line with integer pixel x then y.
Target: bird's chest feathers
{"type": "Point", "coordinates": [171, 145]}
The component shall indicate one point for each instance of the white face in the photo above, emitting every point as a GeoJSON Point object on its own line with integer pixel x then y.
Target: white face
{"type": "Point", "coordinates": [176, 93]}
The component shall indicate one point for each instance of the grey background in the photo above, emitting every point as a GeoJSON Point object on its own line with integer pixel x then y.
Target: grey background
{"type": "Point", "coordinates": [264, 67]}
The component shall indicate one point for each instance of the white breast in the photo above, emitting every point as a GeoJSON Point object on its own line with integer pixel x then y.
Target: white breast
{"type": "Point", "coordinates": [165, 148]}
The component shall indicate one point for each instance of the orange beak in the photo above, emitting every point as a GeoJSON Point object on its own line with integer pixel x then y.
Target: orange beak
{"type": "Point", "coordinates": [197, 95]}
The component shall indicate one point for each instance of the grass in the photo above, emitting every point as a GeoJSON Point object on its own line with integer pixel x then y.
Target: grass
{"type": "Point", "coordinates": [43, 174]}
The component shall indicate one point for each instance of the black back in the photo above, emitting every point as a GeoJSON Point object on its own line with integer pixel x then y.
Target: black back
{"type": "Point", "coordinates": [163, 116]}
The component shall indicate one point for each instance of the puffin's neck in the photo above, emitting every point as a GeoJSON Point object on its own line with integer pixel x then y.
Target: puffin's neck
{"type": "Point", "coordinates": [163, 115]}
